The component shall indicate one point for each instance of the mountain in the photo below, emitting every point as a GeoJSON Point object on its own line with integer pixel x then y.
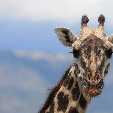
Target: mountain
{"type": "Point", "coordinates": [25, 78]}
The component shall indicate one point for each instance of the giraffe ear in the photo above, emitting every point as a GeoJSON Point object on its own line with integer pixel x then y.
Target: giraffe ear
{"type": "Point", "coordinates": [65, 35]}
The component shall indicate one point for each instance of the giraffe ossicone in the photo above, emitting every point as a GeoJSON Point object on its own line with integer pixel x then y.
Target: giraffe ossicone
{"type": "Point", "coordinates": [84, 79]}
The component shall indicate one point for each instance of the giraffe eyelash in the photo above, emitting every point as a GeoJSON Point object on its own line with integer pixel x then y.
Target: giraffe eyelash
{"type": "Point", "coordinates": [71, 52]}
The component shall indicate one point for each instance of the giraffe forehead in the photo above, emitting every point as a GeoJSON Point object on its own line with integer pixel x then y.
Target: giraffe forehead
{"type": "Point", "coordinates": [86, 31]}
{"type": "Point", "coordinates": [92, 42]}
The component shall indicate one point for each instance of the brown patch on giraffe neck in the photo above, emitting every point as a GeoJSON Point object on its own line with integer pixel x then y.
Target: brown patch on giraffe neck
{"type": "Point", "coordinates": [68, 82]}
{"type": "Point", "coordinates": [82, 102]}
{"type": "Point", "coordinates": [63, 101]}
{"type": "Point", "coordinates": [75, 92]}
{"type": "Point", "coordinates": [73, 110]}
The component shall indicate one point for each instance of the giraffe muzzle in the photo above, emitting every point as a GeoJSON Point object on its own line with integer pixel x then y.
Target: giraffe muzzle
{"type": "Point", "coordinates": [95, 89]}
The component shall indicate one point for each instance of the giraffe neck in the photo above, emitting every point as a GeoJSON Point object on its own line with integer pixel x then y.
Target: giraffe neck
{"type": "Point", "coordinates": [67, 97]}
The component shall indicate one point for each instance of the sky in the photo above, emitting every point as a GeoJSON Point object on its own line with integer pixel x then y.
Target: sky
{"type": "Point", "coordinates": [28, 25]}
{"type": "Point", "coordinates": [54, 10]}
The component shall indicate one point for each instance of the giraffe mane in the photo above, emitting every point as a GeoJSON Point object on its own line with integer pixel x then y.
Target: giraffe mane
{"type": "Point", "coordinates": [53, 92]}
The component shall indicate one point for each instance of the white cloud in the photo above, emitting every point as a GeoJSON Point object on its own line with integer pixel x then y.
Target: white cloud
{"type": "Point", "coordinates": [66, 10]}
{"type": "Point", "coordinates": [59, 57]}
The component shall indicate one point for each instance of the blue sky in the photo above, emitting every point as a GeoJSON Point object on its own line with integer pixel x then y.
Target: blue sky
{"type": "Point", "coordinates": [28, 36]}
{"type": "Point", "coordinates": [28, 25]}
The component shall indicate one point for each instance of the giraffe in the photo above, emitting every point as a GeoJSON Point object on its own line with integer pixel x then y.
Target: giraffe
{"type": "Point", "coordinates": [84, 79]}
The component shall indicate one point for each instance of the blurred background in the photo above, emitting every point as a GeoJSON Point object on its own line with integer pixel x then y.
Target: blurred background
{"type": "Point", "coordinates": [32, 60]}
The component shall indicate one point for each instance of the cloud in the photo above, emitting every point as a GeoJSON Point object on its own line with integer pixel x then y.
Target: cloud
{"type": "Point", "coordinates": [44, 10]}
{"type": "Point", "coordinates": [59, 57]}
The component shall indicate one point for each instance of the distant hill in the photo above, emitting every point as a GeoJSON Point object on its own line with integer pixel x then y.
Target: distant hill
{"type": "Point", "coordinates": [25, 78]}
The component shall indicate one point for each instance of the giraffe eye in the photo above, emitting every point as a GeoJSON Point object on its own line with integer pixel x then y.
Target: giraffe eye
{"type": "Point", "coordinates": [76, 53]}
{"type": "Point", "coordinates": [108, 53]}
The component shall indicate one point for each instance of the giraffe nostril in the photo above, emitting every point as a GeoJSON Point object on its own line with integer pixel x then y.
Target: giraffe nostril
{"type": "Point", "coordinates": [97, 79]}
{"type": "Point", "coordinates": [88, 78]}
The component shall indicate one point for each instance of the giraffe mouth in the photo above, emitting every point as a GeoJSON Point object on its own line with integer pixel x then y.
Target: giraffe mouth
{"type": "Point", "coordinates": [92, 92]}
{"type": "Point", "coordinates": [93, 89]}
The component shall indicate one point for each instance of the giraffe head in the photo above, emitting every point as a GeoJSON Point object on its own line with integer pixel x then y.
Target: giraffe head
{"type": "Point", "coordinates": [92, 50]}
